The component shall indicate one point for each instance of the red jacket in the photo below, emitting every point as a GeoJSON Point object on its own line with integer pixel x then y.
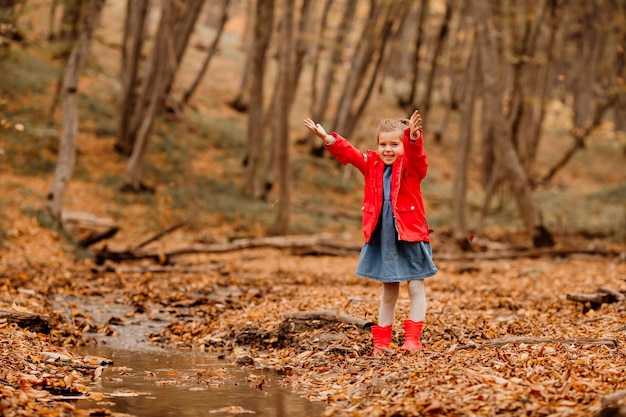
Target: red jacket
{"type": "Point", "coordinates": [406, 195]}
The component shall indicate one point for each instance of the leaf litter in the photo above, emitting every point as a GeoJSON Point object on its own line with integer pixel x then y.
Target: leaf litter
{"type": "Point", "coordinates": [500, 337]}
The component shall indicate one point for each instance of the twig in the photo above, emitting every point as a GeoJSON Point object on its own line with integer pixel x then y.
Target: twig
{"type": "Point", "coordinates": [606, 341]}
{"type": "Point", "coordinates": [158, 236]}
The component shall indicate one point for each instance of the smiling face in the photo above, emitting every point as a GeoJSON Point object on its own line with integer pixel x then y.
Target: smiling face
{"type": "Point", "coordinates": [390, 146]}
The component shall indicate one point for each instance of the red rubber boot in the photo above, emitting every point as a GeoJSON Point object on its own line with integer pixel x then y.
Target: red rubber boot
{"type": "Point", "coordinates": [412, 334]}
{"type": "Point", "coordinates": [382, 338]}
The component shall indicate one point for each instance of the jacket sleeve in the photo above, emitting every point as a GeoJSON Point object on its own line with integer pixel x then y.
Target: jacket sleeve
{"type": "Point", "coordinates": [415, 154]}
{"type": "Point", "coordinates": [344, 152]}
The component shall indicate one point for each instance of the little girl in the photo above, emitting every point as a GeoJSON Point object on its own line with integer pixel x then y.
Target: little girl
{"type": "Point", "coordinates": [397, 243]}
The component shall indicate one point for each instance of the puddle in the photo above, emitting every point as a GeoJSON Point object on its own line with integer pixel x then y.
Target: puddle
{"type": "Point", "coordinates": [148, 383]}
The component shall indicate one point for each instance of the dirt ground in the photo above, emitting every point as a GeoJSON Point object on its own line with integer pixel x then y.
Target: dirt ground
{"type": "Point", "coordinates": [501, 336]}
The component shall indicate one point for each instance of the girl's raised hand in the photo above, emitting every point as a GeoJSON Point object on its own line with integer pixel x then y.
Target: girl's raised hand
{"type": "Point", "coordinates": [415, 123]}
{"type": "Point", "coordinates": [316, 128]}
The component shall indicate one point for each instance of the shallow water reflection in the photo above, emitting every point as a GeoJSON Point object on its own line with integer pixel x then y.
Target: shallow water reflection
{"type": "Point", "coordinates": [168, 384]}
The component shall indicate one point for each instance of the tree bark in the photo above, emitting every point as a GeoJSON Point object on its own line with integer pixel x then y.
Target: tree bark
{"type": "Point", "coordinates": [205, 64]}
{"type": "Point", "coordinates": [434, 64]}
{"type": "Point", "coordinates": [505, 150]}
{"type": "Point", "coordinates": [464, 149]}
{"type": "Point", "coordinates": [177, 22]}
{"type": "Point", "coordinates": [281, 131]}
{"type": "Point", "coordinates": [300, 49]}
{"type": "Point", "coordinates": [328, 80]}
{"type": "Point", "coordinates": [240, 102]}
{"type": "Point", "coordinates": [69, 109]}
{"type": "Point", "coordinates": [132, 43]}
{"type": "Point", "coordinates": [409, 103]}
{"type": "Point", "coordinates": [262, 32]}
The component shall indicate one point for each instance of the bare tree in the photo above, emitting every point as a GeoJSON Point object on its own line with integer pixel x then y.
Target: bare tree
{"type": "Point", "coordinates": [177, 22]}
{"type": "Point", "coordinates": [464, 148]}
{"type": "Point", "coordinates": [591, 102]}
{"type": "Point", "coordinates": [300, 49]}
{"type": "Point", "coordinates": [132, 44]}
{"type": "Point", "coordinates": [223, 18]}
{"type": "Point", "coordinates": [380, 27]}
{"type": "Point", "coordinates": [505, 150]}
{"type": "Point", "coordinates": [69, 108]}
{"type": "Point", "coordinates": [321, 94]}
{"type": "Point", "coordinates": [440, 42]}
{"type": "Point", "coordinates": [262, 32]}
{"type": "Point", "coordinates": [281, 130]}
{"type": "Point", "coordinates": [240, 102]}
{"type": "Point", "coordinates": [409, 103]}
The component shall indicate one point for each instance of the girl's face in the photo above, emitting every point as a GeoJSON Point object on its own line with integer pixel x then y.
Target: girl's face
{"type": "Point", "coordinates": [390, 146]}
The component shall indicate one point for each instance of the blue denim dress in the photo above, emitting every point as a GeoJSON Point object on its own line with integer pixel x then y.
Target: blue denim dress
{"type": "Point", "coordinates": [386, 258]}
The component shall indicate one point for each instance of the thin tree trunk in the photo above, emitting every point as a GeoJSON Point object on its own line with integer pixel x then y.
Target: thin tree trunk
{"type": "Point", "coordinates": [69, 108]}
{"type": "Point", "coordinates": [312, 140]}
{"type": "Point", "coordinates": [337, 52]}
{"type": "Point", "coordinates": [281, 131]}
{"type": "Point", "coordinates": [177, 23]}
{"type": "Point", "coordinates": [464, 149]}
{"type": "Point", "coordinates": [205, 65]}
{"type": "Point", "coordinates": [134, 34]}
{"type": "Point", "coordinates": [304, 30]}
{"type": "Point", "coordinates": [373, 28]}
{"type": "Point", "coordinates": [585, 120]}
{"type": "Point", "coordinates": [439, 45]}
{"type": "Point", "coordinates": [409, 103]}
{"type": "Point", "coordinates": [240, 102]}
{"type": "Point", "coordinates": [262, 32]}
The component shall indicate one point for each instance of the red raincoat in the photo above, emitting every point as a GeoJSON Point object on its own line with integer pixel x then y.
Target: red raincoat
{"type": "Point", "coordinates": [406, 196]}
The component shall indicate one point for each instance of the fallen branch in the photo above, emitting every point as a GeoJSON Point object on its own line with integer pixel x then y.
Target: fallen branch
{"type": "Point", "coordinates": [606, 341]}
{"type": "Point", "coordinates": [321, 244]}
{"type": "Point", "coordinates": [332, 244]}
{"type": "Point", "coordinates": [327, 315]}
{"type": "Point", "coordinates": [525, 253]}
{"type": "Point", "coordinates": [34, 322]}
{"type": "Point", "coordinates": [595, 300]}
{"type": "Point", "coordinates": [157, 236]}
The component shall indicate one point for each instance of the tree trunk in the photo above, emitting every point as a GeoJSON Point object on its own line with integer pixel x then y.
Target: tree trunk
{"type": "Point", "coordinates": [375, 35]}
{"type": "Point", "coordinates": [457, 63]}
{"type": "Point", "coordinates": [587, 112]}
{"type": "Point", "coordinates": [464, 148]}
{"type": "Point", "coordinates": [177, 23]}
{"type": "Point", "coordinates": [328, 81]}
{"type": "Point", "coordinates": [505, 151]}
{"type": "Point", "coordinates": [240, 102]}
{"type": "Point", "coordinates": [281, 131]}
{"type": "Point", "coordinates": [72, 12]}
{"type": "Point", "coordinates": [439, 44]}
{"type": "Point", "coordinates": [205, 65]}
{"type": "Point", "coordinates": [262, 33]}
{"type": "Point", "coordinates": [318, 48]}
{"type": "Point", "coordinates": [132, 43]}
{"type": "Point", "coordinates": [69, 108]}
{"type": "Point", "coordinates": [304, 32]}
{"type": "Point", "coordinates": [409, 103]}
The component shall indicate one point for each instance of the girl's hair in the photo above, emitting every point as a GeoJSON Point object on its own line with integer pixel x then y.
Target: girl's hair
{"type": "Point", "coordinates": [392, 124]}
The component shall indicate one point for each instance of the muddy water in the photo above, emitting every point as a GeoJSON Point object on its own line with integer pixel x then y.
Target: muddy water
{"type": "Point", "coordinates": [151, 383]}
{"type": "Point", "coordinates": [147, 381]}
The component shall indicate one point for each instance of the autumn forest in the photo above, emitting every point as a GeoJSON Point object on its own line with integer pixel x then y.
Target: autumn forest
{"type": "Point", "coordinates": [153, 160]}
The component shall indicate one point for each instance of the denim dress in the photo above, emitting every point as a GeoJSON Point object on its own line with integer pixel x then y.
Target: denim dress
{"type": "Point", "coordinates": [386, 258]}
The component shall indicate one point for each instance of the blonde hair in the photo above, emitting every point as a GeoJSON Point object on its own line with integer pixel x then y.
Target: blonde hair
{"type": "Point", "coordinates": [391, 125]}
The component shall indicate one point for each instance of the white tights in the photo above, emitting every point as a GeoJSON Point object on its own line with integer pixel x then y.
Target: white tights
{"type": "Point", "coordinates": [391, 290]}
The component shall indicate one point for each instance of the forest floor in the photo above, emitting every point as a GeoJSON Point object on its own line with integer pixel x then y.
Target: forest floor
{"type": "Point", "coordinates": [501, 335]}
